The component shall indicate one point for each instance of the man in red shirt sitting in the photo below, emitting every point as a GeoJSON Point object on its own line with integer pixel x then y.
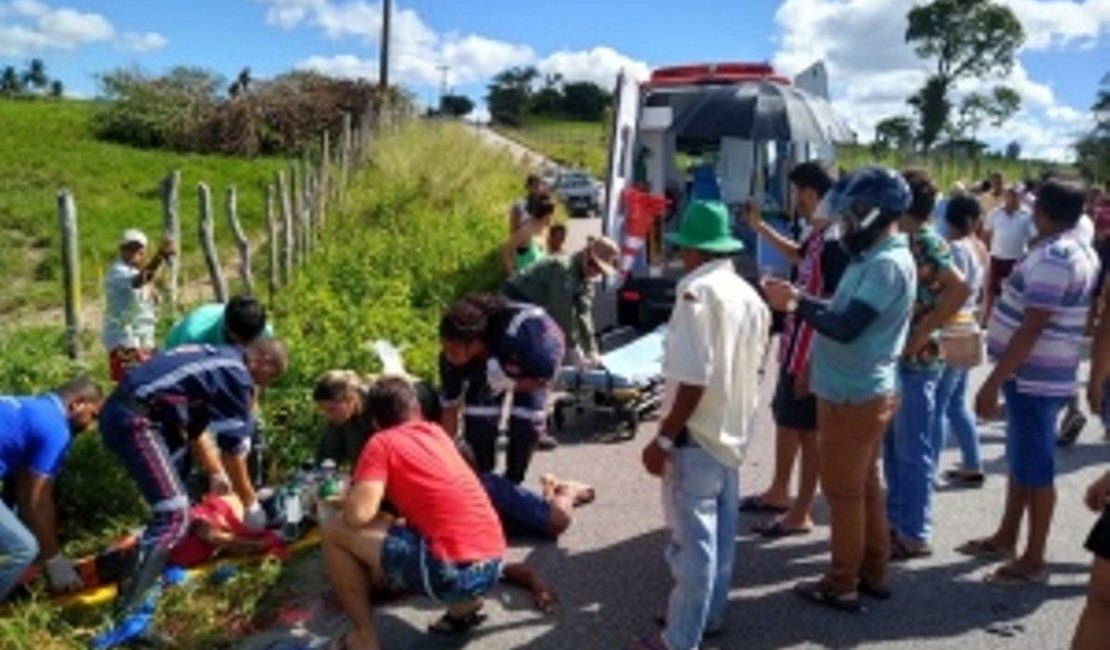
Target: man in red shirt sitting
{"type": "Point", "coordinates": [448, 544]}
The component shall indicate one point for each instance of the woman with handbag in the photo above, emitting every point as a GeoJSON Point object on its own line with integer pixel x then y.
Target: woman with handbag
{"type": "Point", "coordinates": [962, 341]}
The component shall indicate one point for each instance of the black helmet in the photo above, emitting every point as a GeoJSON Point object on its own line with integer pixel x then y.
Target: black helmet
{"type": "Point", "coordinates": [866, 201]}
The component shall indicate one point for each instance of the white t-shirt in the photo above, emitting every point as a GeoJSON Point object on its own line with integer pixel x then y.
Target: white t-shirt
{"type": "Point", "coordinates": [129, 317]}
{"type": "Point", "coordinates": [717, 337]}
{"type": "Point", "coordinates": [1010, 233]}
{"type": "Point", "coordinates": [1086, 229]}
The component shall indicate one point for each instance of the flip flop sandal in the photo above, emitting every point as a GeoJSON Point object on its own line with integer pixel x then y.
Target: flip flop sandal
{"type": "Point", "coordinates": [449, 625]}
{"type": "Point", "coordinates": [756, 504]}
{"type": "Point", "coordinates": [865, 588]}
{"type": "Point", "coordinates": [820, 593]}
{"type": "Point", "coordinates": [1005, 576]}
{"type": "Point", "coordinates": [775, 529]}
{"type": "Point", "coordinates": [902, 551]}
{"type": "Point", "coordinates": [984, 549]}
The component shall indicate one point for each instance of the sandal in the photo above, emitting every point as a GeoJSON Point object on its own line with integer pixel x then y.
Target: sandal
{"type": "Point", "coordinates": [984, 549]}
{"type": "Point", "coordinates": [1008, 576]}
{"type": "Point", "coordinates": [775, 528]}
{"type": "Point", "coordinates": [755, 503]}
{"type": "Point", "coordinates": [449, 625]}
{"type": "Point", "coordinates": [877, 592]}
{"type": "Point", "coordinates": [820, 592]}
{"type": "Point", "coordinates": [903, 551]}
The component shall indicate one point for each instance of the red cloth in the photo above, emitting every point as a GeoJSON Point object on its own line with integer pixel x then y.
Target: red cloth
{"type": "Point", "coordinates": [432, 487]}
{"type": "Point", "coordinates": [192, 550]}
{"type": "Point", "coordinates": [643, 208]}
{"type": "Point", "coordinates": [120, 360]}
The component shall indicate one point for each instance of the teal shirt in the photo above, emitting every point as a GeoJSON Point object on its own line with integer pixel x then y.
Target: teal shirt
{"type": "Point", "coordinates": [203, 325]}
{"type": "Point", "coordinates": [886, 280]}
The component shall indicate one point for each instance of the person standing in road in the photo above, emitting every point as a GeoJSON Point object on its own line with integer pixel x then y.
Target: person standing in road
{"type": "Point", "coordinates": [129, 317]}
{"type": "Point", "coordinates": [716, 340]}
{"type": "Point", "coordinates": [1007, 231]}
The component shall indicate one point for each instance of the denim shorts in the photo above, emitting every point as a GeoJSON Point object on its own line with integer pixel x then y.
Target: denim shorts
{"type": "Point", "coordinates": [1031, 436]}
{"type": "Point", "coordinates": [409, 567]}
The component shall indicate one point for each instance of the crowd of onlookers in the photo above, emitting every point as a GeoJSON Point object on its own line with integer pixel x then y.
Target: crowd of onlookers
{"type": "Point", "coordinates": [897, 293]}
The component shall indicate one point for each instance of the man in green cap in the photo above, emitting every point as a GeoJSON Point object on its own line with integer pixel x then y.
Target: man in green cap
{"type": "Point", "coordinates": [716, 339]}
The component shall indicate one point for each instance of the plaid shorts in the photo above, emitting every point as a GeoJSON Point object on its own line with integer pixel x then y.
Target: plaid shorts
{"type": "Point", "coordinates": [409, 567]}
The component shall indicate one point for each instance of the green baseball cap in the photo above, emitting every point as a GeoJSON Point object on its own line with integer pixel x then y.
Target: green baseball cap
{"type": "Point", "coordinates": [705, 227]}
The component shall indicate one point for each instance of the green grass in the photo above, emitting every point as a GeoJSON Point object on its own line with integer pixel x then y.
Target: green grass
{"type": "Point", "coordinates": [573, 144]}
{"type": "Point", "coordinates": [49, 145]}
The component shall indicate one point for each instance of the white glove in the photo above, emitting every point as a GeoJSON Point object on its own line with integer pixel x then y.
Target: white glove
{"type": "Point", "coordinates": [498, 381]}
{"type": "Point", "coordinates": [576, 358]}
{"type": "Point", "coordinates": [254, 517]}
{"type": "Point", "coordinates": [219, 483]}
{"type": "Point", "coordinates": [63, 577]}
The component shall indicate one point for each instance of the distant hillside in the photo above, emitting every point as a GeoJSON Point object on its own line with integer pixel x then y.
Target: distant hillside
{"type": "Point", "coordinates": [48, 145]}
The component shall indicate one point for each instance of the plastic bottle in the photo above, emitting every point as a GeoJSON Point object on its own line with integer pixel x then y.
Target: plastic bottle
{"type": "Point", "coordinates": [328, 492]}
{"type": "Point", "coordinates": [294, 514]}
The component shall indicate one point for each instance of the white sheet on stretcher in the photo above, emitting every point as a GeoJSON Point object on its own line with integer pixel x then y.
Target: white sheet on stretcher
{"type": "Point", "coordinates": [635, 364]}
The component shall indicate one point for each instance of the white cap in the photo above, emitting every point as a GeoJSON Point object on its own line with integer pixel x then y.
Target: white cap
{"type": "Point", "coordinates": [133, 236]}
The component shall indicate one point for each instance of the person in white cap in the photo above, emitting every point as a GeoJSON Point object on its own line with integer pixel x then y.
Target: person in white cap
{"type": "Point", "coordinates": [129, 316]}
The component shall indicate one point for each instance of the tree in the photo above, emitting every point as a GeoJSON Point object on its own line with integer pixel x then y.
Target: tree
{"type": "Point", "coordinates": [996, 109]}
{"type": "Point", "coordinates": [455, 105]}
{"type": "Point", "coordinates": [1013, 150]}
{"type": "Point", "coordinates": [894, 133]}
{"type": "Point", "coordinates": [585, 100]}
{"type": "Point", "coordinates": [35, 75]}
{"type": "Point", "coordinates": [1093, 149]}
{"type": "Point", "coordinates": [965, 38]}
{"type": "Point", "coordinates": [11, 83]}
{"type": "Point", "coordinates": [510, 93]}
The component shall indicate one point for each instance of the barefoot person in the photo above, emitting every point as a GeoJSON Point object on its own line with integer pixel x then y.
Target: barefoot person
{"type": "Point", "coordinates": [1034, 336]}
{"type": "Point", "coordinates": [448, 544]}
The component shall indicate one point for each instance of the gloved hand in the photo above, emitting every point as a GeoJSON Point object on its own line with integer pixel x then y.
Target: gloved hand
{"type": "Point", "coordinates": [219, 483]}
{"type": "Point", "coordinates": [62, 574]}
{"type": "Point", "coordinates": [576, 358]}
{"type": "Point", "coordinates": [254, 517]}
{"type": "Point", "coordinates": [498, 381]}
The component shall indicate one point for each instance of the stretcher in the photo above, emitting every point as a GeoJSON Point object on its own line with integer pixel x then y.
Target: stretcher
{"type": "Point", "coordinates": [628, 383]}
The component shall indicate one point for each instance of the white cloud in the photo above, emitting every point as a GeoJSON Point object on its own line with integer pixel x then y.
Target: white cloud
{"type": "Point", "coordinates": [343, 66]}
{"type": "Point", "coordinates": [30, 27]}
{"type": "Point", "coordinates": [599, 65]}
{"type": "Point", "coordinates": [146, 42]}
{"type": "Point", "coordinates": [872, 71]}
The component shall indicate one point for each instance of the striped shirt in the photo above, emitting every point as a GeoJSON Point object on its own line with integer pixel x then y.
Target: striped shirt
{"type": "Point", "coordinates": [823, 262]}
{"type": "Point", "coordinates": [1057, 275]}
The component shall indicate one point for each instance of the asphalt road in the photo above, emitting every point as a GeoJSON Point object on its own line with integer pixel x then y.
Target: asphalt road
{"type": "Point", "coordinates": [610, 576]}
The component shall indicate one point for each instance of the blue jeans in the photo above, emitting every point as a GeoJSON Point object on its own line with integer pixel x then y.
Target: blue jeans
{"type": "Point", "coordinates": [18, 549]}
{"type": "Point", "coordinates": [908, 455]}
{"type": "Point", "coordinates": [954, 411]}
{"type": "Point", "coordinates": [702, 505]}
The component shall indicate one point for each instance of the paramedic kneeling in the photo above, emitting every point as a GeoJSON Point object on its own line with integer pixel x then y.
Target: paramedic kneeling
{"type": "Point", "coordinates": [449, 546]}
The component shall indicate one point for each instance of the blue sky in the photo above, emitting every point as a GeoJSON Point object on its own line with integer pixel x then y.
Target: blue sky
{"type": "Point", "coordinates": [872, 71]}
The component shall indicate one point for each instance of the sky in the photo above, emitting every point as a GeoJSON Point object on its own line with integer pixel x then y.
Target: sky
{"type": "Point", "coordinates": [463, 43]}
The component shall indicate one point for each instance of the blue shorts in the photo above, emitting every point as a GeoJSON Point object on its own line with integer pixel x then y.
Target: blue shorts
{"type": "Point", "coordinates": [1031, 436]}
{"type": "Point", "coordinates": [409, 567]}
{"type": "Point", "coordinates": [521, 511]}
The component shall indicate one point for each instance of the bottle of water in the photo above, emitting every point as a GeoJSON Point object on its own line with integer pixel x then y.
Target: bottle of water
{"type": "Point", "coordinates": [294, 513]}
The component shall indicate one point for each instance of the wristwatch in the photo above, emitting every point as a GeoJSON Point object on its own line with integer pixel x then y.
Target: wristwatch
{"type": "Point", "coordinates": [664, 443]}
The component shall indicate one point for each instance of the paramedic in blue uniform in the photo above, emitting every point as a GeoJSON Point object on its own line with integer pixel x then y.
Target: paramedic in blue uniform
{"type": "Point", "coordinates": [492, 347]}
{"type": "Point", "coordinates": [35, 435]}
{"type": "Point", "coordinates": [160, 411]}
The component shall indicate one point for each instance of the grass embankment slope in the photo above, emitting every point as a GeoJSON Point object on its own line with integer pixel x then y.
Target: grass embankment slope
{"type": "Point", "coordinates": [421, 227]}
{"type": "Point", "coordinates": [49, 145]}
{"type": "Point", "coordinates": [584, 144]}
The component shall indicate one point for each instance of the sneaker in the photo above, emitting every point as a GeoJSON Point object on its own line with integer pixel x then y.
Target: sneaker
{"type": "Point", "coordinates": [547, 443]}
{"type": "Point", "coordinates": [1070, 428]}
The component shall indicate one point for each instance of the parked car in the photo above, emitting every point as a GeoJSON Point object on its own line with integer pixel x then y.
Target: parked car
{"type": "Point", "coordinates": [578, 191]}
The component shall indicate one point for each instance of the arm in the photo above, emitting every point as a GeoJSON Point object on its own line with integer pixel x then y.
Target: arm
{"type": "Point", "coordinates": [786, 247]}
{"type": "Point", "coordinates": [363, 503]}
{"type": "Point", "coordinates": [1100, 354]}
{"type": "Point", "coordinates": [146, 274]}
{"type": "Point", "coordinates": [685, 403]}
{"type": "Point", "coordinates": [450, 421]}
{"type": "Point", "coordinates": [842, 327]}
{"type": "Point", "coordinates": [36, 505]}
{"type": "Point", "coordinates": [1033, 323]}
{"type": "Point", "coordinates": [229, 541]}
{"type": "Point", "coordinates": [952, 296]}
{"type": "Point", "coordinates": [235, 465]}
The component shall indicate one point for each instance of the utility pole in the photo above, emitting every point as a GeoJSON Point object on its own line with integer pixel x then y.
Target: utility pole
{"type": "Point", "coordinates": [383, 58]}
{"type": "Point", "coordinates": [443, 68]}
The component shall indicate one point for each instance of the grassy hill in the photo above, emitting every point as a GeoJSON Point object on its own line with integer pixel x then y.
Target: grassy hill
{"type": "Point", "coordinates": [48, 145]}
{"type": "Point", "coordinates": [584, 144]}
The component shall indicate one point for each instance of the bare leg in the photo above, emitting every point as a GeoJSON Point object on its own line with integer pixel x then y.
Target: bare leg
{"type": "Point", "coordinates": [1042, 503]}
{"type": "Point", "coordinates": [798, 517]}
{"type": "Point", "coordinates": [1094, 624]}
{"type": "Point", "coordinates": [786, 452]}
{"type": "Point", "coordinates": [350, 557]}
{"type": "Point", "coordinates": [1017, 500]}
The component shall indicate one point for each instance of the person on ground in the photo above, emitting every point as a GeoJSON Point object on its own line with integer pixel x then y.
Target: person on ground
{"type": "Point", "coordinates": [1034, 338]}
{"type": "Point", "coordinates": [216, 529]}
{"type": "Point", "coordinates": [340, 397]}
{"type": "Point", "coordinates": [1094, 624]}
{"type": "Point", "coordinates": [497, 350]}
{"type": "Point", "coordinates": [953, 410]}
{"type": "Point", "coordinates": [447, 545]}
{"type": "Point", "coordinates": [909, 454]}
{"type": "Point", "coordinates": [862, 332]}
{"type": "Point", "coordinates": [564, 287]}
{"type": "Point", "coordinates": [239, 322]}
{"type": "Point", "coordinates": [35, 435]}
{"type": "Point", "coordinates": [528, 243]}
{"type": "Point", "coordinates": [820, 262]}
{"type": "Point", "coordinates": [158, 413]}
{"type": "Point", "coordinates": [129, 317]}
{"type": "Point", "coordinates": [1007, 230]}
{"type": "Point", "coordinates": [716, 340]}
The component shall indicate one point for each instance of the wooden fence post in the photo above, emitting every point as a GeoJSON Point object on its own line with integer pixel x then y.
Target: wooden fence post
{"type": "Point", "coordinates": [344, 158]}
{"type": "Point", "coordinates": [295, 206]}
{"type": "Point", "coordinates": [241, 241]}
{"type": "Point", "coordinates": [71, 271]}
{"type": "Point", "coordinates": [286, 229]}
{"type": "Point", "coordinates": [171, 229]}
{"type": "Point", "coordinates": [323, 182]}
{"type": "Point", "coordinates": [272, 271]}
{"type": "Point", "coordinates": [306, 207]}
{"type": "Point", "coordinates": [208, 243]}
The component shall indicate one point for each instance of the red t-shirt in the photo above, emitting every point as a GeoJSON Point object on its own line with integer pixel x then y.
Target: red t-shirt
{"type": "Point", "coordinates": [435, 490]}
